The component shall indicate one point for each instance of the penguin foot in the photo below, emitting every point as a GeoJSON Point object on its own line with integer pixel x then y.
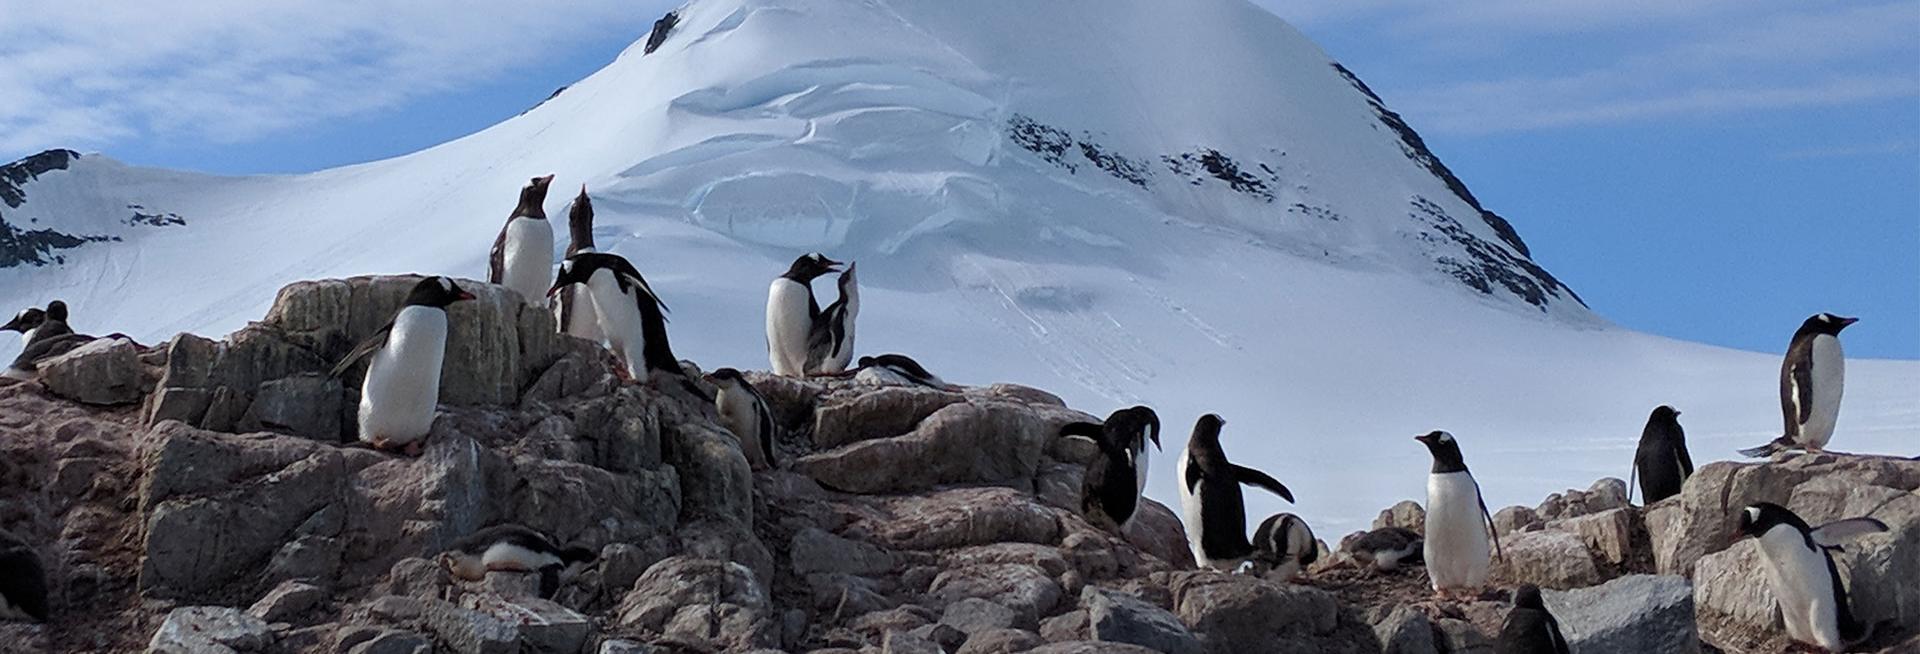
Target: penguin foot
{"type": "Point", "coordinates": [414, 449]}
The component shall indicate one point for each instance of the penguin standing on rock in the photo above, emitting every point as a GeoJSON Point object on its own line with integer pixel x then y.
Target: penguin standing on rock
{"type": "Point", "coordinates": [522, 256]}
{"type": "Point", "coordinates": [632, 318]}
{"type": "Point", "coordinates": [1530, 628]}
{"type": "Point", "coordinates": [570, 303]}
{"type": "Point", "coordinates": [792, 312]}
{"type": "Point", "coordinates": [402, 385]}
{"type": "Point", "coordinates": [23, 582]}
{"type": "Point", "coordinates": [1215, 512]}
{"type": "Point", "coordinates": [1458, 525]}
{"type": "Point", "coordinates": [747, 415]}
{"type": "Point", "coordinates": [1805, 582]}
{"type": "Point", "coordinates": [29, 320]}
{"type": "Point", "coordinates": [1118, 475]}
{"type": "Point", "coordinates": [1285, 546]}
{"type": "Point", "coordinates": [1811, 380]}
{"type": "Point", "coordinates": [900, 369]}
{"type": "Point", "coordinates": [513, 548]}
{"type": "Point", "coordinates": [830, 344]}
{"type": "Point", "coordinates": [1661, 463]}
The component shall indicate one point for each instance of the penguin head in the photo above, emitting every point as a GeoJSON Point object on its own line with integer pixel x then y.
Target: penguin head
{"type": "Point", "coordinates": [1446, 451]}
{"type": "Point", "coordinates": [1757, 519]}
{"type": "Point", "coordinates": [726, 378]}
{"type": "Point", "coordinates": [1137, 420]}
{"type": "Point", "coordinates": [574, 555]}
{"type": "Point", "coordinates": [1207, 429]}
{"type": "Point", "coordinates": [57, 311]}
{"type": "Point", "coordinates": [810, 266]}
{"type": "Point", "coordinates": [1527, 596]}
{"type": "Point", "coordinates": [26, 320]}
{"type": "Point", "coordinates": [846, 278]}
{"type": "Point", "coordinates": [533, 198]}
{"type": "Point", "coordinates": [864, 362]}
{"type": "Point", "coordinates": [580, 220]}
{"type": "Point", "coordinates": [1664, 412]}
{"type": "Point", "coordinates": [436, 292]}
{"type": "Point", "coordinates": [1826, 323]}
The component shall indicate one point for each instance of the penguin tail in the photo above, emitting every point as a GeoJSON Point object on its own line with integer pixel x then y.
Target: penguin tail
{"type": "Point", "coordinates": [1776, 445]}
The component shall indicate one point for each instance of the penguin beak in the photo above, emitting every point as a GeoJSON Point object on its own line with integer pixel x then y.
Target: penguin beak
{"type": "Point", "coordinates": [465, 295]}
{"type": "Point", "coordinates": [1424, 439]}
{"type": "Point", "coordinates": [13, 326]}
{"type": "Point", "coordinates": [544, 181]}
{"type": "Point", "coordinates": [1848, 321]}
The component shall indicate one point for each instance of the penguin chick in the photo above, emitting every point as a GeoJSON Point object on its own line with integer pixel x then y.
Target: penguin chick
{"type": "Point", "coordinates": [1385, 549]}
{"type": "Point", "coordinates": [1529, 627]}
{"type": "Point", "coordinates": [1284, 546]}
{"type": "Point", "coordinates": [746, 414]}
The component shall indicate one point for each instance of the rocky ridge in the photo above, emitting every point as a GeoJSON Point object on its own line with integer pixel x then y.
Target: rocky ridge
{"type": "Point", "coordinates": [196, 497]}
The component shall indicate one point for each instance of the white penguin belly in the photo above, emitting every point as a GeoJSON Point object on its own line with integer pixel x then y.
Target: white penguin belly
{"type": "Point", "coordinates": [1802, 585]}
{"type": "Point", "coordinates": [582, 321]}
{"type": "Point", "coordinates": [528, 258]}
{"type": "Point", "coordinates": [740, 417]}
{"type": "Point", "coordinates": [1140, 472]}
{"type": "Point", "coordinates": [1191, 511]}
{"type": "Point", "coordinates": [1456, 547]}
{"type": "Point", "coordinates": [507, 556]}
{"type": "Point", "coordinates": [620, 321]}
{"type": "Point", "coordinates": [402, 387]}
{"type": "Point", "coordinates": [1829, 382]}
{"type": "Point", "coordinates": [788, 323]}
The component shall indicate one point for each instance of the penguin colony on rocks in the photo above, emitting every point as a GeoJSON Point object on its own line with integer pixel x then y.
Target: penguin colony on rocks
{"type": "Point", "coordinates": [602, 297]}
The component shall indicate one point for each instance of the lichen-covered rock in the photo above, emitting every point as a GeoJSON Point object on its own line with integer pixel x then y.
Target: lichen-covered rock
{"type": "Point", "coordinates": [103, 372]}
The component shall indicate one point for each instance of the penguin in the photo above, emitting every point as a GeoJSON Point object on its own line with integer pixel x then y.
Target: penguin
{"type": "Point", "coordinates": [513, 548]}
{"type": "Point", "coordinates": [1661, 463]}
{"type": "Point", "coordinates": [1117, 476]}
{"type": "Point", "coordinates": [897, 369]}
{"type": "Point", "coordinates": [1530, 628]}
{"type": "Point", "coordinates": [569, 304]}
{"type": "Point", "coordinates": [792, 313]}
{"type": "Point", "coordinates": [1285, 546]}
{"type": "Point", "coordinates": [745, 414]}
{"type": "Point", "coordinates": [632, 318]}
{"type": "Point", "coordinates": [522, 257]}
{"type": "Point", "coordinates": [1385, 549]}
{"type": "Point", "coordinates": [401, 389]}
{"type": "Point", "coordinates": [1811, 380]}
{"type": "Point", "coordinates": [46, 336]}
{"type": "Point", "coordinates": [1458, 524]}
{"type": "Point", "coordinates": [1805, 581]}
{"type": "Point", "coordinates": [1216, 517]}
{"type": "Point", "coordinates": [23, 582]}
{"type": "Point", "coordinates": [830, 343]}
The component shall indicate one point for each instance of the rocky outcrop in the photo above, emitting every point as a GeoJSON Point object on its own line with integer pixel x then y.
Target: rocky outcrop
{"type": "Point", "coordinates": [1636, 613]}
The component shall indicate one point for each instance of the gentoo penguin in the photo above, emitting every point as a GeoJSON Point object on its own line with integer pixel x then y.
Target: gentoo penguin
{"type": "Point", "coordinates": [1458, 524]}
{"type": "Point", "coordinates": [792, 312]}
{"type": "Point", "coordinates": [1116, 478]}
{"type": "Point", "coordinates": [632, 318]}
{"type": "Point", "coordinates": [1661, 463]}
{"type": "Point", "coordinates": [569, 303]}
{"type": "Point", "coordinates": [513, 548]}
{"type": "Point", "coordinates": [1216, 514]}
{"type": "Point", "coordinates": [47, 336]}
{"type": "Point", "coordinates": [1811, 379]}
{"type": "Point", "coordinates": [1530, 628]}
{"type": "Point", "coordinates": [896, 369]}
{"type": "Point", "coordinates": [402, 385]}
{"type": "Point", "coordinates": [1805, 582]}
{"type": "Point", "coordinates": [830, 343]}
{"type": "Point", "coordinates": [745, 414]}
{"type": "Point", "coordinates": [1385, 549]}
{"type": "Point", "coordinates": [1285, 546]}
{"type": "Point", "coordinates": [522, 257]}
{"type": "Point", "coordinates": [23, 582]}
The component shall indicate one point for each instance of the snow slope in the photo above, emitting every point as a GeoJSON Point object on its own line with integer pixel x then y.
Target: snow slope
{"type": "Point", "coordinates": [1182, 204]}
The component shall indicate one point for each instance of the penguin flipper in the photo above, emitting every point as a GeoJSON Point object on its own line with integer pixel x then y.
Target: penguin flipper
{"type": "Point", "coordinates": [1251, 477]}
{"type": "Point", "coordinates": [1686, 460]}
{"type": "Point", "coordinates": [1492, 531]}
{"type": "Point", "coordinates": [1192, 477]}
{"type": "Point", "coordinates": [1803, 388]}
{"type": "Point", "coordinates": [1775, 445]}
{"type": "Point", "coordinates": [497, 257]}
{"type": "Point", "coordinates": [372, 343]}
{"type": "Point", "coordinates": [1831, 534]}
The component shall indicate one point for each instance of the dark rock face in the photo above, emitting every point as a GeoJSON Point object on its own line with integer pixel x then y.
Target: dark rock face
{"type": "Point", "coordinates": [15, 175]}
{"type": "Point", "coordinates": [20, 245]}
{"type": "Point", "coordinates": [661, 29]}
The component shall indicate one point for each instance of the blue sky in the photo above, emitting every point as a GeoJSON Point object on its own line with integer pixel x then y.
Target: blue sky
{"type": "Point", "coordinates": [1712, 170]}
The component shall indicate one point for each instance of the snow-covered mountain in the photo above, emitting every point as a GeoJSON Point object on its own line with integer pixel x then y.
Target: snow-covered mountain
{"type": "Point", "coordinates": [1182, 204]}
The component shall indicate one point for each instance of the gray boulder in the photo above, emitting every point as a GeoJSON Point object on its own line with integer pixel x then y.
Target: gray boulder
{"type": "Point", "coordinates": [1636, 613]}
{"type": "Point", "coordinates": [1406, 514]}
{"type": "Point", "coordinates": [308, 405]}
{"type": "Point", "coordinates": [983, 443]}
{"type": "Point", "coordinates": [815, 550]}
{"type": "Point", "coordinates": [880, 413]}
{"type": "Point", "coordinates": [287, 600]}
{"type": "Point", "coordinates": [1404, 630]}
{"type": "Point", "coordinates": [103, 372]}
{"type": "Point", "coordinates": [1549, 558]}
{"type": "Point", "coordinates": [1242, 614]}
{"type": "Point", "coordinates": [1121, 618]}
{"type": "Point", "coordinates": [210, 630]}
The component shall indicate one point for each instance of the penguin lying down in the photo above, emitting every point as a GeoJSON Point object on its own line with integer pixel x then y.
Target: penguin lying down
{"type": "Point", "coordinates": [514, 548]}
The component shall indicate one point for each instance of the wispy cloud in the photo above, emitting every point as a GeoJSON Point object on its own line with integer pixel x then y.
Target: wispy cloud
{"type": "Point", "coordinates": [87, 73]}
{"type": "Point", "coordinates": [1895, 147]}
{"type": "Point", "coordinates": [1512, 65]}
